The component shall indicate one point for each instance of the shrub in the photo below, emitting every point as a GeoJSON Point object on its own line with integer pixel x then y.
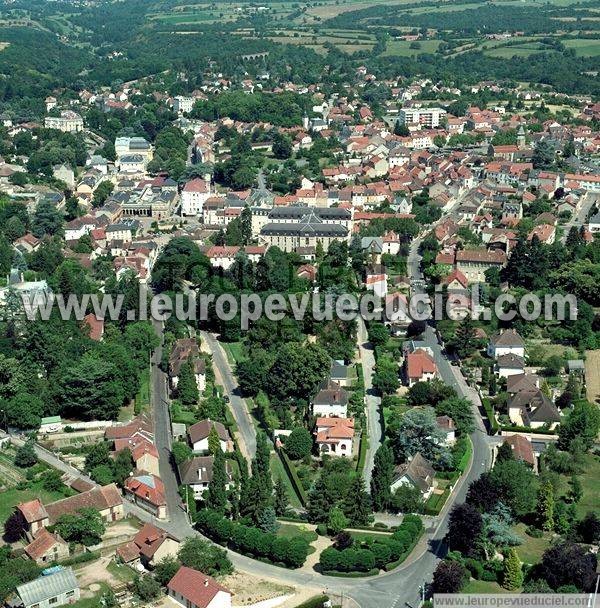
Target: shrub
{"type": "Point", "coordinates": [534, 532]}
{"type": "Point", "coordinates": [474, 567]}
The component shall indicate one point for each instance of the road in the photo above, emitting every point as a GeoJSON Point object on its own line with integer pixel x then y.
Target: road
{"type": "Point", "coordinates": [372, 400]}
{"type": "Point", "coordinates": [580, 217]}
{"type": "Point", "coordinates": [237, 405]}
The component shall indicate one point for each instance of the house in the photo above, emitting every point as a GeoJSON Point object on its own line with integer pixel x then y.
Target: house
{"type": "Point", "coordinates": [507, 342]}
{"type": "Point", "coordinates": [419, 366]}
{"type": "Point", "coordinates": [56, 589]}
{"type": "Point", "coordinates": [448, 427]}
{"type": "Point", "coordinates": [530, 407]}
{"type": "Point", "coordinates": [194, 195]}
{"type": "Point", "coordinates": [148, 547]}
{"type": "Point", "coordinates": [192, 589]}
{"type": "Point", "coordinates": [197, 474]}
{"type": "Point", "coordinates": [95, 326]}
{"type": "Point", "coordinates": [519, 382]}
{"type": "Point", "coordinates": [148, 492]}
{"type": "Point", "coordinates": [376, 280]}
{"type": "Point", "coordinates": [144, 453]}
{"type": "Point", "coordinates": [338, 372]}
{"type": "Point", "coordinates": [334, 436]}
{"type": "Point", "coordinates": [182, 350]}
{"type": "Point", "coordinates": [198, 435]}
{"type": "Point", "coordinates": [473, 263]}
{"type": "Point", "coordinates": [522, 449]}
{"type": "Point", "coordinates": [140, 426]}
{"type": "Point", "coordinates": [417, 473]}
{"type": "Point", "coordinates": [107, 500]}
{"type": "Point", "coordinates": [330, 401]}
{"type": "Point", "coordinates": [509, 365]}
{"type": "Point", "coordinates": [47, 548]}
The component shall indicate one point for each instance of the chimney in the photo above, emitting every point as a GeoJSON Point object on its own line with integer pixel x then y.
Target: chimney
{"type": "Point", "coordinates": [206, 583]}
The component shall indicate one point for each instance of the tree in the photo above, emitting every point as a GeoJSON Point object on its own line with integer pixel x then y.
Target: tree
{"type": "Point", "coordinates": [545, 506]}
{"type": "Point", "coordinates": [407, 499]}
{"type": "Point", "coordinates": [261, 470]}
{"type": "Point", "coordinates": [166, 569]}
{"type": "Point", "coordinates": [181, 452]}
{"type": "Point", "coordinates": [504, 452]}
{"type": "Point", "coordinates": [102, 192]}
{"type": "Point", "coordinates": [569, 564]}
{"type": "Point", "coordinates": [449, 577]}
{"type": "Point", "coordinates": [589, 528]}
{"type": "Point", "coordinates": [14, 527]}
{"type": "Point", "coordinates": [47, 220]}
{"type": "Point", "coordinates": [513, 575]}
{"type": "Point", "coordinates": [464, 341]}
{"type": "Point", "coordinates": [25, 455]}
{"type": "Point", "coordinates": [378, 334]}
{"type": "Point", "coordinates": [299, 443]}
{"type": "Point", "coordinates": [217, 490]}
{"type": "Point", "coordinates": [282, 146]}
{"type": "Point", "coordinates": [122, 466]}
{"type": "Point", "coordinates": [357, 505]}
{"type": "Point", "coordinates": [464, 529]}
{"type": "Point", "coordinates": [582, 423]}
{"type": "Point", "coordinates": [187, 388]}
{"type": "Point", "coordinates": [576, 489]}
{"type": "Point", "coordinates": [102, 474]}
{"type": "Point", "coordinates": [24, 411]}
{"type": "Point", "coordinates": [385, 379]}
{"type": "Point", "coordinates": [214, 442]}
{"type": "Point", "coordinates": [543, 155]}
{"type": "Point", "coordinates": [267, 520]}
{"type": "Point", "coordinates": [382, 477]}
{"type": "Point", "coordinates": [418, 431]}
{"type": "Point", "coordinates": [85, 527]}
{"type": "Point", "coordinates": [146, 587]}
{"type": "Point", "coordinates": [400, 129]}
{"type": "Point", "coordinates": [336, 521]}
{"type": "Point", "coordinates": [204, 556]}
{"type": "Point", "coordinates": [99, 454]}
{"type": "Point", "coordinates": [460, 410]}
{"type": "Point", "coordinates": [516, 484]}
{"type": "Point", "coordinates": [280, 500]}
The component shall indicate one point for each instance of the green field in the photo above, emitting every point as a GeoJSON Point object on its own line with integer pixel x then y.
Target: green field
{"type": "Point", "coordinates": [9, 499]}
{"type": "Point", "coordinates": [278, 470]}
{"type": "Point", "coordinates": [584, 46]}
{"type": "Point", "coordinates": [235, 351]}
{"type": "Point", "coordinates": [590, 480]}
{"type": "Point", "coordinates": [291, 531]}
{"type": "Point", "coordinates": [401, 48]}
{"type": "Point", "coordinates": [484, 587]}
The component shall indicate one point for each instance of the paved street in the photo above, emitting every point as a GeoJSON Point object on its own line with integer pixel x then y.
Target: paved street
{"type": "Point", "coordinates": [373, 401]}
{"type": "Point", "coordinates": [587, 202]}
{"type": "Point", "coordinates": [238, 406]}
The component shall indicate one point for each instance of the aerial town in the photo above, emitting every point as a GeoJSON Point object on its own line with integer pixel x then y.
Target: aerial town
{"type": "Point", "coordinates": [237, 459]}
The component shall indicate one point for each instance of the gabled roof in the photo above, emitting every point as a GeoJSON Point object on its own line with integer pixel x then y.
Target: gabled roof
{"type": "Point", "coordinates": [46, 587]}
{"type": "Point", "coordinates": [418, 470]}
{"type": "Point", "coordinates": [148, 487]}
{"type": "Point", "coordinates": [331, 393]}
{"type": "Point", "coordinates": [522, 448]}
{"type": "Point", "coordinates": [43, 542]}
{"type": "Point", "coordinates": [201, 430]}
{"type": "Point", "coordinates": [198, 588]}
{"type": "Point", "coordinates": [419, 363]}
{"type": "Point", "coordinates": [511, 361]}
{"type": "Point", "coordinates": [32, 510]}
{"type": "Point", "coordinates": [100, 498]}
{"type": "Point", "coordinates": [508, 338]}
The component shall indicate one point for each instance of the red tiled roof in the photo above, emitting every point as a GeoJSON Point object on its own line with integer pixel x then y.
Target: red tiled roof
{"type": "Point", "coordinates": [419, 363]}
{"type": "Point", "coordinates": [196, 587]}
{"type": "Point", "coordinates": [32, 510]}
{"type": "Point", "coordinates": [42, 543]}
{"type": "Point", "coordinates": [147, 487]}
{"type": "Point", "coordinates": [97, 498]}
{"type": "Point", "coordinates": [96, 326]}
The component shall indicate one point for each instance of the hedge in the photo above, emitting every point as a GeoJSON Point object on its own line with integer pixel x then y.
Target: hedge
{"type": "Point", "coordinates": [373, 572]}
{"type": "Point", "coordinates": [82, 558]}
{"type": "Point", "coordinates": [491, 416]}
{"type": "Point", "coordinates": [315, 602]}
{"type": "Point", "coordinates": [362, 452]}
{"type": "Point", "coordinates": [526, 429]}
{"type": "Point", "coordinates": [375, 554]}
{"type": "Point", "coordinates": [291, 471]}
{"type": "Point", "coordinates": [291, 552]}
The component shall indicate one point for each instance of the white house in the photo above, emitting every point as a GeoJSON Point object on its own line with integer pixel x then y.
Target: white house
{"type": "Point", "coordinates": [330, 401]}
{"type": "Point", "coordinates": [193, 196]}
{"type": "Point", "coordinates": [417, 473]}
{"type": "Point", "coordinates": [196, 474]}
{"type": "Point", "coordinates": [419, 366]}
{"type": "Point", "coordinates": [509, 365]}
{"type": "Point", "coordinates": [507, 342]}
{"type": "Point", "coordinates": [193, 589]}
{"type": "Point", "coordinates": [334, 436]}
{"type": "Point", "coordinates": [198, 435]}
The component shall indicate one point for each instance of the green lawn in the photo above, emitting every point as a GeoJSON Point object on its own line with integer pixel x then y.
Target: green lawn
{"type": "Point", "coordinates": [120, 571]}
{"type": "Point", "coordinates": [183, 416]}
{"type": "Point", "coordinates": [290, 531]}
{"type": "Point", "coordinates": [532, 549]}
{"type": "Point", "coordinates": [590, 480]}
{"type": "Point", "coordinates": [278, 470]}
{"type": "Point", "coordinates": [142, 399]}
{"type": "Point", "coordinates": [365, 537]}
{"type": "Point", "coordinates": [235, 351]}
{"type": "Point", "coordinates": [484, 587]}
{"type": "Point", "coordinates": [12, 497]}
